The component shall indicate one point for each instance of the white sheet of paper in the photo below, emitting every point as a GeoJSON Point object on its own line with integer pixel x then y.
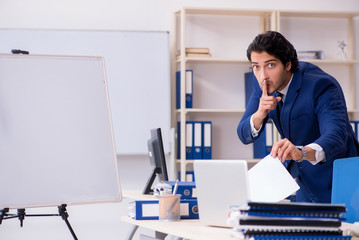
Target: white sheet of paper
{"type": "Point", "coordinates": [269, 181]}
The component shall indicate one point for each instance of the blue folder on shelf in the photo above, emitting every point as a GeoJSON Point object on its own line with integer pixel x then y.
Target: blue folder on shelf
{"type": "Point", "coordinates": [197, 140]}
{"type": "Point", "coordinates": [188, 141]}
{"type": "Point", "coordinates": [189, 176]}
{"type": "Point", "coordinates": [189, 89]}
{"type": "Point", "coordinates": [207, 140]}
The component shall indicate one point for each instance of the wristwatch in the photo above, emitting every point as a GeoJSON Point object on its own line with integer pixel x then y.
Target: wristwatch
{"type": "Point", "coordinates": [304, 153]}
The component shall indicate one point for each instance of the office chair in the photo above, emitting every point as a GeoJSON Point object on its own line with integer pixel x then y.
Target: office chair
{"type": "Point", "coordinates": [345, 188]}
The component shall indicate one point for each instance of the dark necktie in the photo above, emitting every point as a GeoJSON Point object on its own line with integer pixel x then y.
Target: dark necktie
{"type": "Point", "coordinates": [280, 104]}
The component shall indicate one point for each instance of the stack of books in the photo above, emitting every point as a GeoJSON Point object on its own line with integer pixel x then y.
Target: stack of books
{"type": "Point", "coordinates": [288, 221]}
{"type": "Point", "coordinates": [310, 54]}
{"type": "Point", "coordinates": [196, 53]}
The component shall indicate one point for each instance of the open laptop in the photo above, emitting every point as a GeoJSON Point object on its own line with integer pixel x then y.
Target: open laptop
{"type": "Point", "coordinates": [219, 185]}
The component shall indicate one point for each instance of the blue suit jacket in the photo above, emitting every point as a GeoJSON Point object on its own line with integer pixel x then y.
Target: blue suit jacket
{"type": "Point", "coordinates": [314, 111]}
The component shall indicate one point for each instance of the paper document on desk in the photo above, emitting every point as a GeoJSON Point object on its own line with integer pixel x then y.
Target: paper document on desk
{"type": "Point", "coordinates": [269, 181]}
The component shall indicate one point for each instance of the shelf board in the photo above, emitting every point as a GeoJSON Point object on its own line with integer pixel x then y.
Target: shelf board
{"type": "Point", "coordinates": [255, 160]}
{"type": "Point", "coordinates": [214, 60]}
{"type": "Point", "coordinates": [250, 12]}
{"type": "Point", "coordinates": [201, 110]}
{"type": "Point", "coordinates": [225, 11]}
{"type": "Point", "coordinates": [330, 61]}
{"type": "Point", "coordinates": [245, 61]}
{"type": "Point", "coordinates": [318, 14]}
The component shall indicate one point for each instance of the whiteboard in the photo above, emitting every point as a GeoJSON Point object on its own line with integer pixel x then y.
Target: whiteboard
{"type": "Point", "coordinates": [56, 139]}
{"type": "Point", "coordinates": [138, 74]}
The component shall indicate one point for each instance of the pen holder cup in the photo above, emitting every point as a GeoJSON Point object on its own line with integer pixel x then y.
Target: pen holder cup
{"type": "Point", "coordinates": [169, 206]}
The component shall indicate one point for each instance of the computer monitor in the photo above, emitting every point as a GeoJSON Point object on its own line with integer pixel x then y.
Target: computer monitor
{"type": "Point", "coordinates": [157, 160]}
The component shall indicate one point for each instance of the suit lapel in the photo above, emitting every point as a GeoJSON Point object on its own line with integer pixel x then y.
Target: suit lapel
{"type": "Point", "coordinates": [292, 94]}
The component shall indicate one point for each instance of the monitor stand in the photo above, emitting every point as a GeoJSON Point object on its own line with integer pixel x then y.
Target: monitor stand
{"type": "Point", "coordinates": [151, 179]}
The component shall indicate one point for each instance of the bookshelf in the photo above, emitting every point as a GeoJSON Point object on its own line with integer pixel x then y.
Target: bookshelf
{"type": "Point", "coordinates": [334, 27]}
{"type": "Point", "coordinates": [218, 81]}
{"type": "Point", "coordinates": [205, 27]}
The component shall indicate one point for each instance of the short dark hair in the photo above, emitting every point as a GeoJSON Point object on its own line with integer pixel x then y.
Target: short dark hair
{"type": "Point", "coordinates": [274, 44]}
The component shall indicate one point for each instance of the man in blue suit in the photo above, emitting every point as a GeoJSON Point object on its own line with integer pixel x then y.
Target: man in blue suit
{"type": "Point", "coordinates": [307, 107]}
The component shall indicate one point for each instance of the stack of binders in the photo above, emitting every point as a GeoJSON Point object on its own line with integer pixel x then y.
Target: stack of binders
{"type": "Point", "coordinates": [189, 89]}
{"type": "Point", "coordinates": [198, 140]}
{"type": "Point", "coordinates": [288, 221]}
{"type": "Point", "coordinates": [149, 209]}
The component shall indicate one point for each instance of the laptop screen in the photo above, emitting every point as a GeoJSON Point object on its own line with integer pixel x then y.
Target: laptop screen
{"type": "Point", "coordinates": [219, 185]}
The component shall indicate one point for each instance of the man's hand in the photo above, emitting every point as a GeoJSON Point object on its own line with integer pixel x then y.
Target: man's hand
{"type": "Point", "coordinates": [285, 150]}
{"type": "Point", "coordinates": [266, 104]}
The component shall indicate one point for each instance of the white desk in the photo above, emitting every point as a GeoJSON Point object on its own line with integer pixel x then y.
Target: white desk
{"type": "Point", "coordinates": [188, 229]}
{"type": "Point", "coordinates": [194, 230]}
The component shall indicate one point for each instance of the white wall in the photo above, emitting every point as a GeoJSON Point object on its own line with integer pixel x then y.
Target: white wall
{"type": "Point", "coordinates": [134, 14]}
{"type": "Point", "coordinates": [103, 221]}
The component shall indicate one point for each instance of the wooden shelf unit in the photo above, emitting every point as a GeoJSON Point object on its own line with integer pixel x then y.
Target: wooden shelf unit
{"type": "Point", "coordinates": [182, 37]}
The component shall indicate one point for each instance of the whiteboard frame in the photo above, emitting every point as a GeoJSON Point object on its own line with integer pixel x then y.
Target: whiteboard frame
{"type": "Point", "coordinates": [87, 176]}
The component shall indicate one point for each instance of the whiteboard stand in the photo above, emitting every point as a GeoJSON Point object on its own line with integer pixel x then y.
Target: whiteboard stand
{"type": "Point", "coordinates": [79, 123]}
{"type": "Point", "coordinates": [21, 214]}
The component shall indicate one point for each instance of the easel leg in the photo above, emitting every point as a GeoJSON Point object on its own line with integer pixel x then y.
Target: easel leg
{"type": "Point", "coordinates": [63, 213]}
{"type": "Point", "coordinates": [3, 213]}
{"type": "Point", "coordinates": [21, 215]}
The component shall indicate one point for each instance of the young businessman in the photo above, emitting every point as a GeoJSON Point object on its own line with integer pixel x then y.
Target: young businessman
{"type": "Point", "coordinates": [307, 107]}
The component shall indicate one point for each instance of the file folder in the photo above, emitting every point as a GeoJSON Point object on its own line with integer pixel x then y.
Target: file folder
{"type": "Point", "coordinates": [189, 89]}
{"type": "Point", "coordinates": [290, 222]}
{"type": "Point", "coordinates": [178, 140]}
{"type": "Point", "coordinates": [189, 176]}
{"type": "Point", "coordinates": [186, 189]}
{"type": "Point", "coordinates": [248, 233]}
{"type": "Point", "coordinates": [189, 140]}
{"type": "Point", "coordinates": [144, 210]}
{"type": "Point", "coordinates": [249, 79]}
{"type": "Point", "coordinates": [149, 209]}
{"type": "Point", "coordinates": [269, 137]}
{"type": "Point", "coordinates": [262, 146]}
{"type": "Point", "coordinates": [207, 140]}
{"type": "Point", "coordinates": [287, 210]}
{"type": "Point", "coordinates": [197, 140]}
